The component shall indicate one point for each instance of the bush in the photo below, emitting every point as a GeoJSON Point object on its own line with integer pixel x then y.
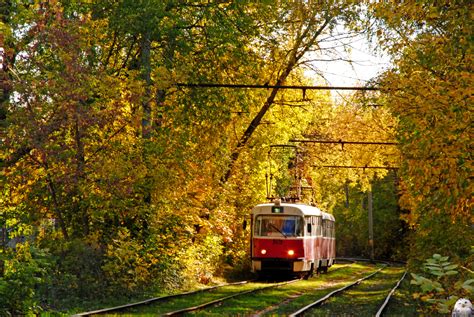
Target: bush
{"type": "Point", "coordinates": [440, 234]}
{"type": "Point", "coordinates": [126, 267]}
{"type": "Point", "coordinates": [24, 268]}
{"type": "Point", "coordinates": [203, 259]}
{"type": "Point", "coordinates": [76, 274]}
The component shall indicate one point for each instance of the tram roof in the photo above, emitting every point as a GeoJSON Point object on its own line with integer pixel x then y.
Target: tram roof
{"type": "Point", "coordinates": [295, 208]}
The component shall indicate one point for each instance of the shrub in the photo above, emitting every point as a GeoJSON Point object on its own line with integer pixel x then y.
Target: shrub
{"type": "Point", "coordinates": [24, 268]}
{"type": "Point", "coordinates": [125, 266]}
{"type": "Point", "coordinates": [203, 259]}
{"type": "Point", "coordinates": [76, 274]}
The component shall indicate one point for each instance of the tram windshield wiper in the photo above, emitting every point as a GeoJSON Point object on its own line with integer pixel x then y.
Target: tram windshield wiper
{"type": "Point", "coordinates": [277, 229]}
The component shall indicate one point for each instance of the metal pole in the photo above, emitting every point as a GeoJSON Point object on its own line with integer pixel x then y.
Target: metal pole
{"type": "Point", "coordinates": [371, 226]}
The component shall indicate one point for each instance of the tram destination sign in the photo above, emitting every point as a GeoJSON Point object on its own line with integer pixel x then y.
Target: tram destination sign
{"type": "Point", "coordinates": [277, 209]}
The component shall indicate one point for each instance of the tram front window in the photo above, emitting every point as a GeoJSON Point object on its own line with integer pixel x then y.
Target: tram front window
{"type": "Point", "coordinates": [287, 226]}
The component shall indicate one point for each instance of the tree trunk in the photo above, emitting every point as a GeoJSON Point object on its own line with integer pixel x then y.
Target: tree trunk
{"type": "Point", "coordinates": [80, 173]}
{"type": "Point", "coordinates": [57, 208]}
{"type": "Point", "coordinates": [297, 52]}
{"type": "Point", "coordinates": [145, 61]}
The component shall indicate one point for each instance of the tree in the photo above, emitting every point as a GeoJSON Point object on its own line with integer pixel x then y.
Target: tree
{"type": "Point", "coordinates": [305, 25]}
{"type": "Point", "coordinates": [350, 211]}
{"type": "Point", "coordinates": [104, 147]}
{"type": "Point", "coordinates": [430, 92]}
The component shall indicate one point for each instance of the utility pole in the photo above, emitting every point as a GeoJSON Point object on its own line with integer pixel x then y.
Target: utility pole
{"type": "Point", "coordinates": [371, 226]}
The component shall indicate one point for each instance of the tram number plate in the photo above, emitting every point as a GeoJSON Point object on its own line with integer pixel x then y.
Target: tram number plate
{"type": "Point", "coordinates": [277, 242]}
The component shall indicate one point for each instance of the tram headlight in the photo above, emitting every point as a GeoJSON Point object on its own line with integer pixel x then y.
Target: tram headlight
{"type": "Point", "coordinates": [291, 252]}
{"type": "Point", "coordinates": [263, 251]}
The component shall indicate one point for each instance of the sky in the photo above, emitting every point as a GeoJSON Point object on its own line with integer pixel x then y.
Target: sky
{"type": "Point", "coordinates": [366, 62]}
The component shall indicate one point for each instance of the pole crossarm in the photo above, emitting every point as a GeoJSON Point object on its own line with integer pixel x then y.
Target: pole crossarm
{"type": "Point", "coordinates": [355, 167]}
{"type": "Point", "coordinates": [304, 88]}
{"type": "Point", "coordinates": [343, 142]}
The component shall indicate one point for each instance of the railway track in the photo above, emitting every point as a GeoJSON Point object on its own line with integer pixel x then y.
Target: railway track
{"type": "Point", "coordinates": [320, 301]}
{"type": "Point", "coordinates": [311, 308]}
{"type": "Point", "coordinates": [281, 297]}
{"type": "Point", "coordinates": [125, 307]}
{"type": "Point", "coordinates": [220, 300]}
{"type": "Point", "coordinates": [128, 307]}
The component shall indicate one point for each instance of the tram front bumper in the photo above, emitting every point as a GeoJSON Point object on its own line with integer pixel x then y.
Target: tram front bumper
{"type": "Point", "coordinates": [291, 265]}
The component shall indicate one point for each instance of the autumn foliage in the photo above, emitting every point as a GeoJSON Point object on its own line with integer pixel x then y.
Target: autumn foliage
{"type": "Point", "coordinates": [430, 92]}
{"type": "Point", "coordinates": [118, 182]}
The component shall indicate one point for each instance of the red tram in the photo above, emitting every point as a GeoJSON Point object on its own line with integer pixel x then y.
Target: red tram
{"type": "Point", "coordinates": [295, 238]}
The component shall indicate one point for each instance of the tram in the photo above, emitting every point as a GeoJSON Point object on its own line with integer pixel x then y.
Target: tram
{"type": "Point", "coordinates": [291, 237]}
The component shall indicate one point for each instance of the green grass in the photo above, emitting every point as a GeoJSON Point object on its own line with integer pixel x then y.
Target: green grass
{"type": "Point", "coordinates": [284, 299]}
{"type": "Point", "coordinates": [361, 300]}
{"type": "Point", "coordinates": [162, 307]}
{"type": "Point", "coordinates": [402, 302]}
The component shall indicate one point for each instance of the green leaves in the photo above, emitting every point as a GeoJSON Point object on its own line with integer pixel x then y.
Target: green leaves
{"type": "Point", "coordinates": [437, 291]}
{"type": "Point", "coordinates": [439, 266]}
{"type": "Point", "coordinates": [22, 272]}
{"type": "Point", "coordinates": [468, 285]}
{"type": "Point", "coordinates": [426, 284]}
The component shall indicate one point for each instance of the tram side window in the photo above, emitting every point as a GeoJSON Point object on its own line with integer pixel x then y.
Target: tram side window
{"type": "Point", "coordinates": [257, 227]}
{"type": "Point", "coordinates": [319, 229]}
{"type": "Point", "coordinates": [329, 228]}
{"type": "Point", "coordinates": [325, 228]}
{"type": "Point", "coordinates": [315, 226]}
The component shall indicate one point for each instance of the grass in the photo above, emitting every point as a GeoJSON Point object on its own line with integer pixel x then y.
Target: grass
{"type": "Point", "coordinates": [361, 300]}
{"type": "Point", "coordinates": [402, 302]}
{"type": "Point", "coordinates": [283, 300]}
{"type": "Point", "coordinates": [158, 308]}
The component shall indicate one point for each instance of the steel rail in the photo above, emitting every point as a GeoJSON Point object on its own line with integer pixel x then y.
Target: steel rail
{"type": "Point", "coordinates": [152, 300]}
{"type": "Point", "coordinates": [220, 300]}
{"type": "Point", "coordinates": [329, 295]}
{"type": "Point", "coordinates": [350, 263]}
{"type": "Point", "coordinates": [387, 299]}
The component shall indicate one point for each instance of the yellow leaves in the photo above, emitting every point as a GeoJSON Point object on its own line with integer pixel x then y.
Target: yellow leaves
{"type": "Point", "coordinates": [163, 78]}
{"type": "Point", "coordinates": [5, 32]}
{"type": "Point", "coordinates": [433, 102]}
{"type": "Point", "coordinates": [352, 123]}
{"type": "Point", "coordinates": [426, 297]}
{"type": "Point", "coordinates": [125, 263]}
